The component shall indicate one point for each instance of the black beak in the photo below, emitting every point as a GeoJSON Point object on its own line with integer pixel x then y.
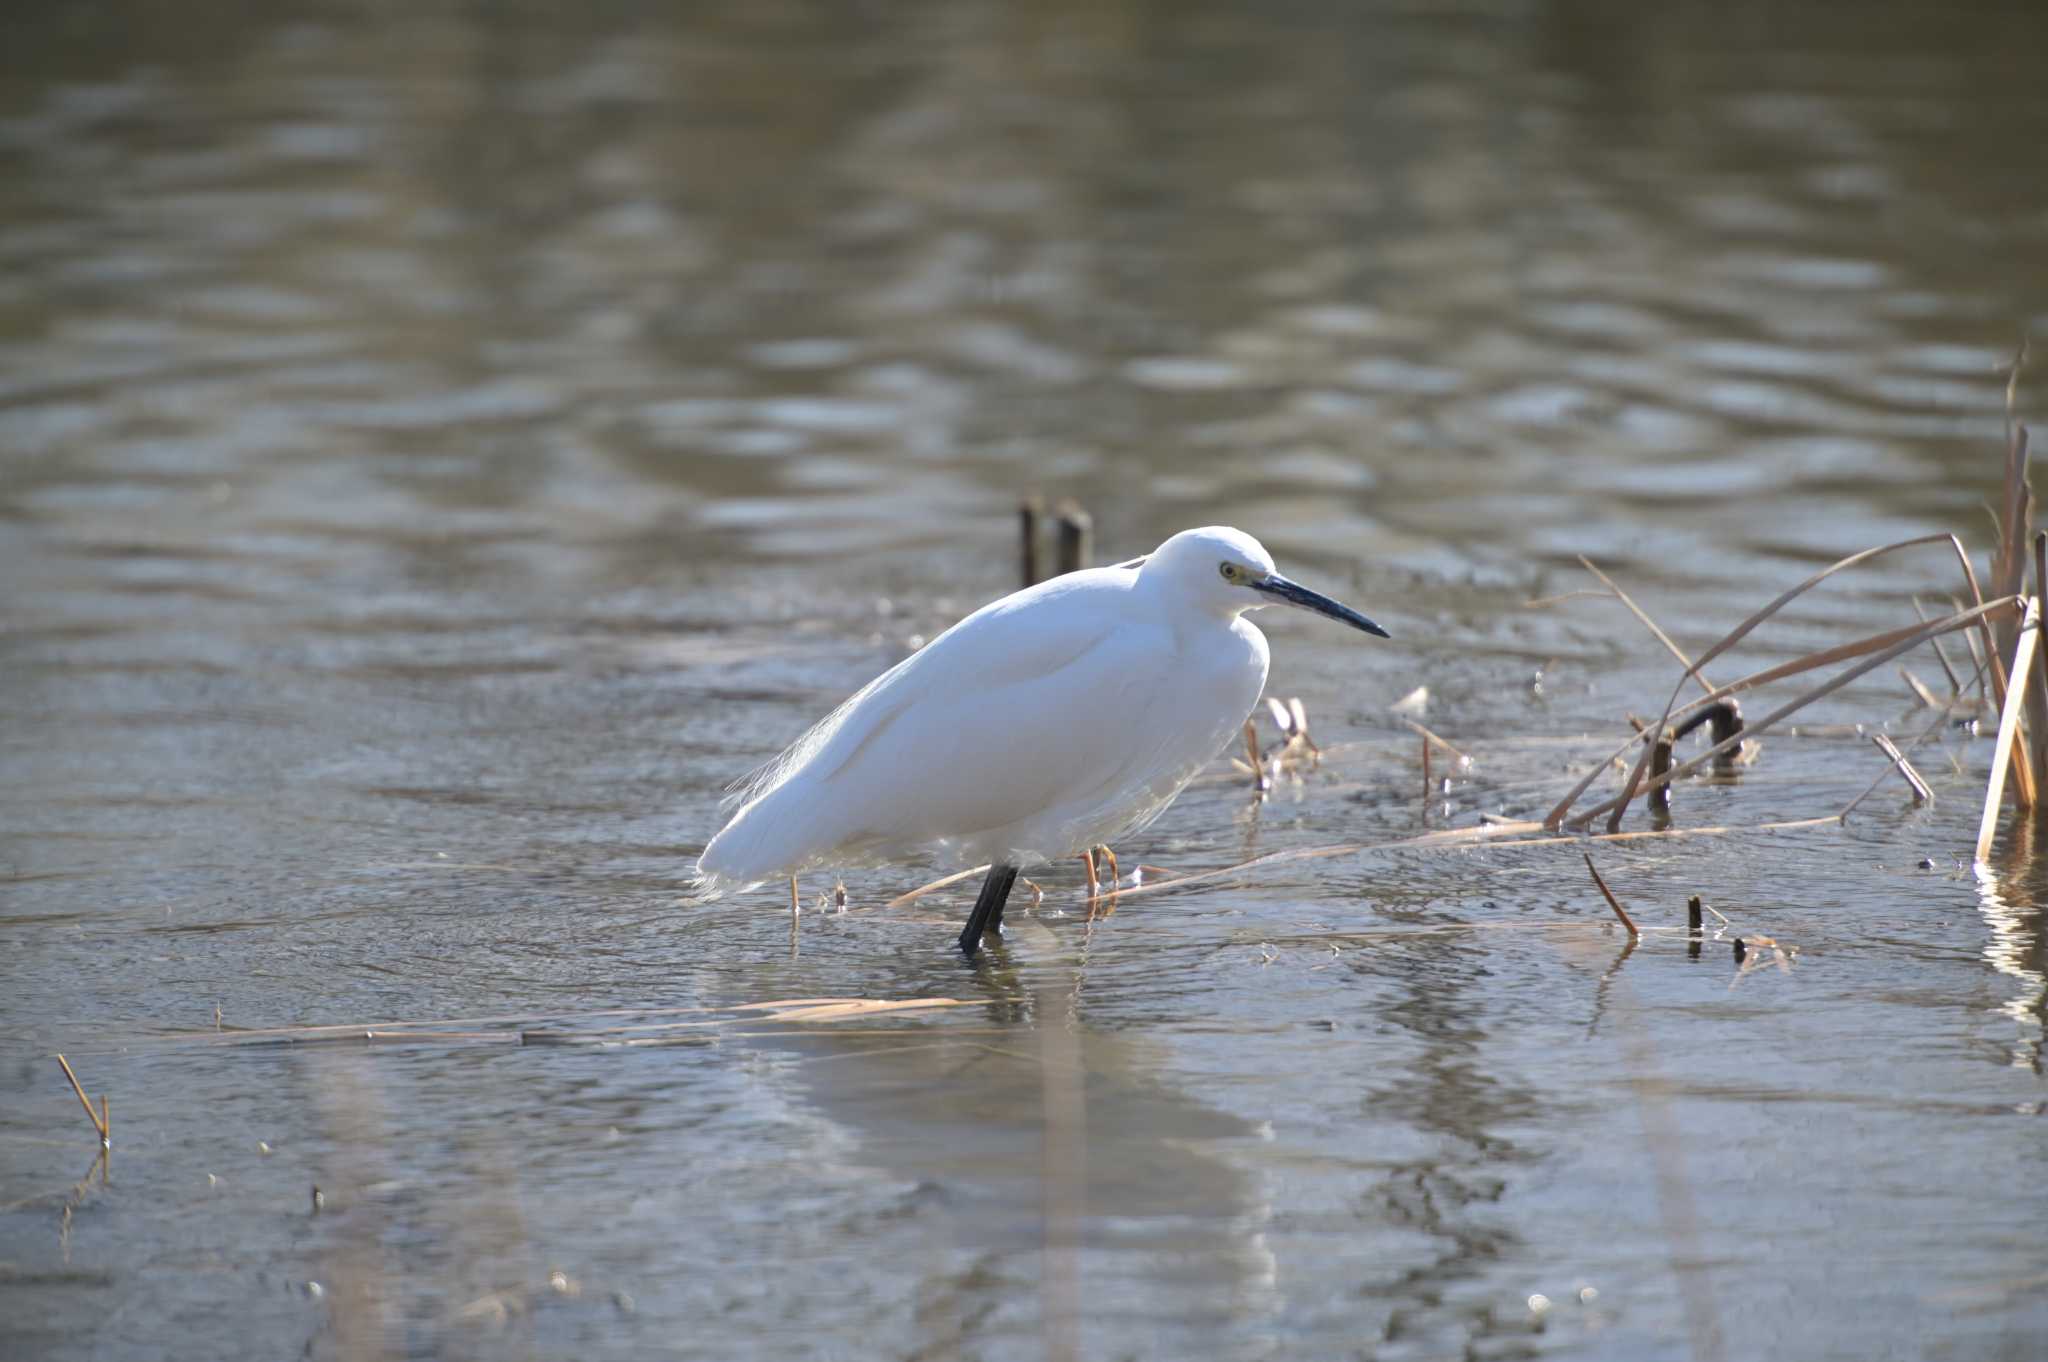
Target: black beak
{"type": "Point", "coordinates": [1294, 593]}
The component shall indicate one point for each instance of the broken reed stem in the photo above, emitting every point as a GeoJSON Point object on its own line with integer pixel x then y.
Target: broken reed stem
{"type": "Point", "coordinates": [1427, 783]}
{"type": "Point", "coordinates": [2008, 725]}
{"type": "Point", "coordinates": [90, 1115]}
{"type": "Point", "coordinates": [1878, 780]}
{"type": "Point", "coordinates": [1926, 697]}
{"type": "Point", "coordinates": [1029, 511]}
{"type": "Point", "coordinates": [1430, 739]}
{"type": "Point", "coordinates": [1741, 631]}
{"type": "Point", "coordinates": [1922, 794]}
{"type": "Point", "coordinates": [1612, 902]}
{"type": "Point", "coordinates": [1251, 754]}
{"type": "Point", "coordinates": [1693, 922]}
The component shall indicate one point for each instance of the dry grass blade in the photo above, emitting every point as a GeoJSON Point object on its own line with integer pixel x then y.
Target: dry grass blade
{"type": "Point", "coordinates": [2008, 725]}
{"type": "Point", "coordinates": [1913, 640]}
{"type": "Point", "coordinates": [90, 1115]}
{"type": "Point", "coordinates": [1741, 631]}
{"type": "Point", "coordinates": [1545, 602]}
{"type": "Point", "coordinates": [1691, 668]}
{"type": "Point", "coordinates": [1612, 902]}
{"type": "Point", "coordinates": [1504, 834]}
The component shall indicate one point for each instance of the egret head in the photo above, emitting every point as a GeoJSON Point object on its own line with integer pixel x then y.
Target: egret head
{"type": "Point", "coordinates": [1230, 572]}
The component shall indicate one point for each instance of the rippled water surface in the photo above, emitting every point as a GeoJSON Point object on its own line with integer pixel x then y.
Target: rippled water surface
{"type": "Point", "coordinates": [444, 446]}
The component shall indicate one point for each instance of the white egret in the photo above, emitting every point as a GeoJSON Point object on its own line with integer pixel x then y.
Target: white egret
{"type": "Point", "coordinates": [1060, 717]}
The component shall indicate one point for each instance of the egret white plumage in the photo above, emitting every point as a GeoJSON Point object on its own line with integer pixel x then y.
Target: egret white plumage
{"type": "Point", "coordinates": [1061, 717]}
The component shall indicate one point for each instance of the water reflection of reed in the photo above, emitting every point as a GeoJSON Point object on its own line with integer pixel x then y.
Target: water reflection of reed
{"type": "Point", "coordinates": [2012, 888]}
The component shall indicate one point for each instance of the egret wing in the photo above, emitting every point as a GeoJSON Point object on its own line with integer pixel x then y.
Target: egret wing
{"type": "Point", "coordinates": [986, 741]}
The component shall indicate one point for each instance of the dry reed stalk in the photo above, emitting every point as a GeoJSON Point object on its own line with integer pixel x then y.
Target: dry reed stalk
{"type": "Point", "coordinates": [1545, 602]}
{"type": "Point", "coordinates": [1955, 686]}
{"type": "Point", "coordinates": [2008, 726]}
{"type": "Point", "coordinates": [2037, 694]}
{"type": "Point", "coordinates": [1505, 834]}
{"type": "Point", "coordinates": [1913, 639]}
{"type": "Point", "coordinates": [1612, 902]}
{"type": "Point", "coordinates": [819, 1011]}
{"type": "Point", "coordinates": [1254, 762]}
{"type": "Point", "coordinates": [404, 1029]}
{"type": "Point", "coordinates": [1980, 663]}
{"type": "Point", "coordinates": [2008, 577]}
{"type": "Point", "coordinates": [98, 1125]}
{"type": "Point", "coordinates": [1922, 794]}
{"type": "Point", "coordinates": [2015, 508]}
{"type": "Point", "coordinates": [1743, 630]}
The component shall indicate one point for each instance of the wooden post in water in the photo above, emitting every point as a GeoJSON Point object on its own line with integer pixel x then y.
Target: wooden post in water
{"type": "Point", "coordinates": [1077, 535]}
{"type": "Point", "coordinates": [1029, 511]}
{"type": "Point", "coordinates": [1660, 764]}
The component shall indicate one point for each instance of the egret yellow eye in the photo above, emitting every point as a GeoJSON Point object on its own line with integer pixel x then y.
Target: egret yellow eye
{"type": "Point", "coordinates": [1231, 571]}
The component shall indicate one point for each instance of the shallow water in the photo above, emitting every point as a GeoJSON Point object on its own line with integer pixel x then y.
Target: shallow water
{"type": "Point", "coordinates": [441, 454]}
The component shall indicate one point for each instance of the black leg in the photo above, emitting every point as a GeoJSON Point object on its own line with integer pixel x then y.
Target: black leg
{"type": "Point", "coordinates": [988, 908]}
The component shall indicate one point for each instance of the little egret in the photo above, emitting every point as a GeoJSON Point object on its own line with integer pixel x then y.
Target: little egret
{"type": "Point", "coordinates": [1060, 717]}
